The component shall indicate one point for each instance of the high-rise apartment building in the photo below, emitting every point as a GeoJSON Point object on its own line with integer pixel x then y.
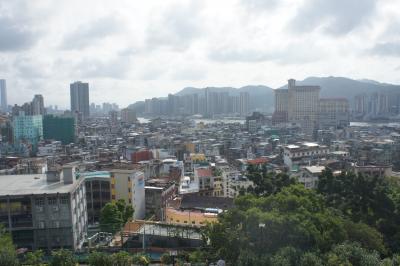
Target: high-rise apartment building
{"type": "Point", "coordinates": [37, 105]}
{"type": "Point", "coordinates": [301, 104]}
{"type": "Point", "coordinates": [244, 103]}
{"type": "Point", "coordinates": [3, 95]}
{"type": "Point", "coordinates": [79, 92]}
{"type": "Point", "coordinates": [28, 128]}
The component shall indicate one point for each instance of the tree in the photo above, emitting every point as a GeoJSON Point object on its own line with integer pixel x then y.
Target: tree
{"type": "Point", "coordinates": [166, 259]}
{"type": "Point", "coordinates": [366, 199]}
{"type": "Point", "coordinates": [125, 209]}
{"type": "Point", "coordinates": [267, 183]}
{"type": "Point", "coordinates": [114, 215]}
{"type": "Point", "coordinates": [141, 259]}
{"type": "Point", "coordinates": [100, 259]}
{"type": "Point", "coordinates": [310, 259]}
{"type": "Point", "coordinates": [121, 258]}
{"type": "Point", "coordinates": [352, 254]}
{"type": "Point", "coordinates": [110, 218]}
{"type": "Point", "coordinates": [62, 257]}
{"type": "Point", "coordinates": [34, 258]}
{"type": "Point", "coordinates": [8, 255]}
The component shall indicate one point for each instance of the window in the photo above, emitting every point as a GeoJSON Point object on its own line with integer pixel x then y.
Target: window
{"type": "Point", "coordinates": [39, 202]}
{"type": "Point", "coordinates": [52, 200]}
{"type": "Point", "coordinates": [64, 200]}
{"type": "Point", "coordinates": [113, 197]}
{"type": "Point", "coordinates": [193, 222]}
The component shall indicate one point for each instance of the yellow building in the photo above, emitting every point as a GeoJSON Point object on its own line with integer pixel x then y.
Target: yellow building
{"type": "Point", "coordinates": [129, 186]}
{"type": "Point", "coordinates": [196, 218]}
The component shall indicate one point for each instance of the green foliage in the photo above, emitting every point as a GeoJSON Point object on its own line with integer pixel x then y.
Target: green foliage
{"type": "Point", "coordinates": [286, 256]}
{"type": "Point", "coordinates": [352, 254]}
{"type": "Point", "coordinates": [249, 258]}
{"type": "Point", "coordinates": [267, 183]}
{"type": "Point", "coordinates": [197, 256]}
{"type": "Point", "coordinates": [121, 258]}
{"type": "Point", "coordinates": [34, 258]}
{"type": "Point", "coordinates": [141, 259]}
{"type": "Point", "coordinates": [166, 259]}
{"type": "Point", "coordinates": [62, 257]}
{"type": "Point", "coordinates": [114, 215]}
{"type": "Point", "coordinates": [310, 259]}
{"type": "Point", "coordinates": [100, 259]}
{"type": "Point", "coordinates": [347, 220]}
{"type": "Point", "coordinates": [371, 200]}
{"type": "Point", "coordinates": [126, 210]}
{"type": "Point", "coordinates": [8, 255]}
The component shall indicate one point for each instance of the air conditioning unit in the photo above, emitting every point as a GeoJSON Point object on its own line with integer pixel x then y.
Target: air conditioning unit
{"type": "Point", "coordinates": [55, 208]}
{"type": "Point", "coordinates": [40, 208]}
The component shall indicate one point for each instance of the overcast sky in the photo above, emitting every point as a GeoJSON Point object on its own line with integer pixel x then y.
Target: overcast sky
{"type": "Point", "coordinates": [131, 50]}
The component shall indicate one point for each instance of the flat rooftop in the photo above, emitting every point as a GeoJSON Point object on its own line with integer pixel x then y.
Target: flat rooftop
{"type": "Point", "coordinates": [32, 184]}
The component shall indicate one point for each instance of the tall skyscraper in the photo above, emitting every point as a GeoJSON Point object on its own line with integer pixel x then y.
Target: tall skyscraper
{"type": "Point", "coordinates": [38, 105]}
{"type": "Point", "coordinates": [244, 103]}
{"type": "Point", "coordinates": [3, 95]}
{"type": "Point", "coordinates": [80, 98]}
{"type": "Point", "coordinates": [300, 104]}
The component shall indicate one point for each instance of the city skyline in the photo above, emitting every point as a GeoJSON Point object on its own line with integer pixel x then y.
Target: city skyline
{"type": "Point", "coordinates": [131, 51]}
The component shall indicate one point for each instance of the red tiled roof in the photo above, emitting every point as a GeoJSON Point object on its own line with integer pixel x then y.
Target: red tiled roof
{"type": "Point", "coordinates": [204, 172]}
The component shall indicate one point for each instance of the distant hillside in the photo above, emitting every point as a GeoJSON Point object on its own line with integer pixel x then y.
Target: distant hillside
{"type": "Point", "coordinates": [345, 87]}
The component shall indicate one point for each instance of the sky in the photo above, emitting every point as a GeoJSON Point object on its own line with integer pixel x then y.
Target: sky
{"type": "Point", "coordinates": [129, 50]}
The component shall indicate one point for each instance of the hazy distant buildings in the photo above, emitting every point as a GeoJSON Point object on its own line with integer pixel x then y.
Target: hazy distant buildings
{"type": "Point", "coordinates": [209, 103]}
{"type": "Point", "coordinates": [377, 104]}
{"type": "Point", "coordinates": [244, 103]}
{"type": "Point", "coordinates": [37, 105]}
{"type": "Point", "coordinates": [79, 93]}
{"type": "Point", "coordinates": [128, 116]}
{"type": "Point", "coordinates": [3, 95]}
{"type": "Point", "coordinates": [334, 113]}
{"type": "Point", "coordinates": [281, 106]}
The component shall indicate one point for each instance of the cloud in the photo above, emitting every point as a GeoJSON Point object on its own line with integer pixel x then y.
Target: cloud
{"type": "Point", "coordinates": [386, 49]}
{"type": "Point", "coordinates": [89, 34]}
{"type": "Point", "coordinates": [176, 28]}
{"type": "Point", "coordinates": [294, 53]}
{"type": "Point", "coordinates": [13, 37]}
{"type": "Point", "coordinates": [259, 5]}
{"type": "Point", "coordinates": [335, 17]}
{"type": "Point", "coordinates": [115, 68]}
